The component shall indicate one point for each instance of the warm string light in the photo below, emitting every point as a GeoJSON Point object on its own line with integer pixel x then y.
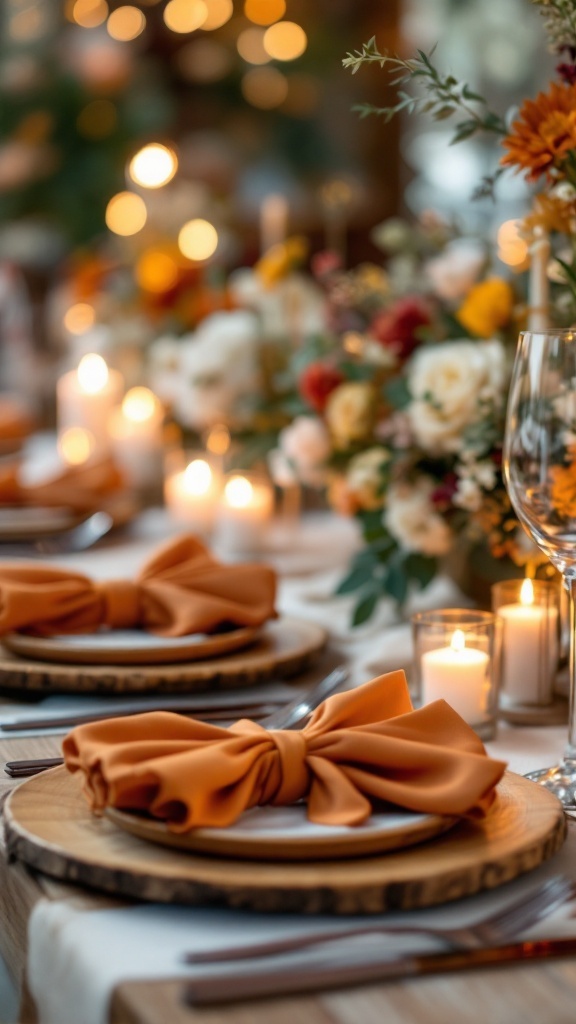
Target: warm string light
{"type": "Point", "coordinates": [153, 166]}
{"type": "Point", "coordinates": [92, 373]}
{"type": "Point", "coordinates": [126, 214]}
{"type": "Point", "coordinates": [198, 240]}
{"type": "Point", "coordinates": [185, 15]}
{"type": "Point", "coordinates": [126, 23]}
{"type": "Point", "coordinates": [79, 318]}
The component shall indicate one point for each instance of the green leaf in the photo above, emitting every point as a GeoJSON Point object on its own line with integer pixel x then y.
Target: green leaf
{"type": "Point", "coordinates": [396, 392]}
{"type": "Point", "coordinates": [421, 568]}
{"type": "Point", "coordinates": [463, 131]}
{"type": "Point", "coordinates": [365, 608]}
{"type": "Point", "coordinates": [357, 578]}
{"type": "Point", "coordinates": [396, 581]}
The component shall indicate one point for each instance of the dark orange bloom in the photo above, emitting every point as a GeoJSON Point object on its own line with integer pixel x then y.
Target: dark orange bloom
{"type": "Point", "coordinates": [544, 132]}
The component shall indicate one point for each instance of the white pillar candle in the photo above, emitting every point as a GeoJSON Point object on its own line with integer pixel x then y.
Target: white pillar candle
{"type": "Point", "coordinates": [459, 675]}
{"type": "Point", "coordinates": [538, 283]}
{"type": "Point", "coordinates": [273, 221]}
{"type": "Point", "coordinates": [191, 495]}
{"type": "Point", "coordinates": [136, 437]}
{"type": "Point", "coordinates": [244, 512]}
{"type": "Point", "coordinates": [529, 649]}
{"type": "Point", "coordinates": [86, 396]}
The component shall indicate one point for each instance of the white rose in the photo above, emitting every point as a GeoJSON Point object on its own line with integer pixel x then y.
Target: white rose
{"type": "Point", "coordinates": [412, 520]}
{"type": "Point", "coordinates": [307, 446]}
{"type": "Point", "coordinates": [450, 383]}
{"type": "Point", "coordinates": [453, 273]}
{"type": "Point", "coordinates": [219, 370]}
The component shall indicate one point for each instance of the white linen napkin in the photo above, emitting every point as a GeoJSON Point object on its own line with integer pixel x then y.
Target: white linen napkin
{"type": "Point", "coordinates": [77, 957]}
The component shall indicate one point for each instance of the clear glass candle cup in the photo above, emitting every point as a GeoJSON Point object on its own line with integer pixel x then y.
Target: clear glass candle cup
{"type": "Point", "coordinates": [529, 613]}
{"type": "Point", "coordinates": [192, 486]}
{"type": "Point", "coordinates": [455, 659]}
{"type": "Point", "coordinates": [245, 512]}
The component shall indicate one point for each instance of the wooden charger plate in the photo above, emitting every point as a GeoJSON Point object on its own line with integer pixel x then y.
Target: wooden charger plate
{"type": "Point", "coordinates": [284, 646]}
{"type": "Point", "coordinates": [128, 646]}
{"type": "Point", "coordinates": [50, 827]}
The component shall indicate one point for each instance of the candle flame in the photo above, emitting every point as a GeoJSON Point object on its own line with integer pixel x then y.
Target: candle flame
{"type": "Point", "coordinates": [527, 592]}
{"type": "Point", "coordinates": [197, 477]}
{"type": "Point", "coordinates": [238, 492]}
{"type": "Point", "coordinates": [92, 373]}
{"type": "Point", "coordinates": [76, 445]}
{"type": "Point", "coordinates": [218, 440]}
{"type": "Point", "coordinates": [458, 641]}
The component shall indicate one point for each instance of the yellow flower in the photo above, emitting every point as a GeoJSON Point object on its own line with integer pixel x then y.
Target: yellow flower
{"type": "Point", "coordinates": [487, 307]}
{"type": "Point", "coordinates": [563, 491]}
{"type": "Point", "coordinates": [350, 413]}
{"type": "Point", "coordinates": [278, 261]}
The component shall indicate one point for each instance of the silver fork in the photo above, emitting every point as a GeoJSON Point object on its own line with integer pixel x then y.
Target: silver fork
{"type": "Point", "coordinates": [286, 717]}
{"type": "Point", "coordinates": [78, 538]}
{"type": "Point", "coordinates": [494, 930]}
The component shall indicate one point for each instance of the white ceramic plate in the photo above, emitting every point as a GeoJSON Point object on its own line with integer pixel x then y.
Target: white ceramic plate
{"type": "Point", "coordinates": [128, 646]}
{"type": "Point", "coordinates": [284, 833]}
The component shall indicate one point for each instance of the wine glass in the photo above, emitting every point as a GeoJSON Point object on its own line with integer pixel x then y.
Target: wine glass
{"type": "Point", "coordinates": [540, 476]}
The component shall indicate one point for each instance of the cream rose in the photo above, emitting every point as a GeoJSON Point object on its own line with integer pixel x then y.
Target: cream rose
{"type": "Point", "coordinates": [412, 520]}
{"type": "Point", "coordinates": [451, 384]}
{"type": "Point", "coordinates": [350, 413]}
{"type": "Point", "coordinates": [364, 477]}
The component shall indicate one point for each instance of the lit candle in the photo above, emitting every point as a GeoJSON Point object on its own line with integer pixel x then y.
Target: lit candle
{"type": "Point", "coordinates": [458, 675]}
{"type": "Point", "coordinates": [191, 495]}
{"type": "Point", "coordinates": [273, 221]}
{"type": "Point", "coordinates": [86, 396]}
{"type": "Point", "coordinates": [244, 513]}
{"type": "Point", "coordinates": [136, 437]}
{"type": "Point", "coordinates": [529, 649]}
{"type": "Point", "coordinates": [538, 284]}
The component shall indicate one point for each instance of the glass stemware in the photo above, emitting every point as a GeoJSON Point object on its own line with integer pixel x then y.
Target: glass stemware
{"type": "Point", "coordinates": [540, 475]}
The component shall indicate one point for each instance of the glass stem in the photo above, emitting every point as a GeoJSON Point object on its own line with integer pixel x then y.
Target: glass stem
{"type": "Point", "coordinates": [570, 584]}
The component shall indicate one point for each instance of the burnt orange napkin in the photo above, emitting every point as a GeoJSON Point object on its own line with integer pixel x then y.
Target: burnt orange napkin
{"type": "Point", "coordinates": [181, 590]}
{"type": "Point", "coordinates": [363, 745]}
{"type": "Point", "coordinates": [15, 422]}
{"type": "Point", "coordinates": [80, 488]}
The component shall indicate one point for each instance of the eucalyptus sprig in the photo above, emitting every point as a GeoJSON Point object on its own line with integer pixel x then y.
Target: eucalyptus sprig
{"type": "Point", "coordinates": [559, 22]}
{"type": "Point", "coordinates": [444, 96]}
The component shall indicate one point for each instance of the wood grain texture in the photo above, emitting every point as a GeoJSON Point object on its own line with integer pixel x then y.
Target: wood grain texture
{"type": "Point", "coordinates": [285, 647]}
{"type": "Point", "coordinates": [49, 826]}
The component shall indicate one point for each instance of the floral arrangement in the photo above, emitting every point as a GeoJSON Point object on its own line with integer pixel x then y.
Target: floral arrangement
{"type": "Point", "coordinates": [402, 404]}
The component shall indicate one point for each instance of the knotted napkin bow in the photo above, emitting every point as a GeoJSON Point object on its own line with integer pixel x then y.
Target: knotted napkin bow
{"type": "Point", "coordinates": [181, 590]}
{"type": "Point", "coordinates": [81, 488]}
{"type": "Point", "coordinates": [363, 745]}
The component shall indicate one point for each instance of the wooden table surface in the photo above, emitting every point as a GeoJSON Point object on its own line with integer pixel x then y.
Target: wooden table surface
{"type": "Point", "coordinates": [532, 993]}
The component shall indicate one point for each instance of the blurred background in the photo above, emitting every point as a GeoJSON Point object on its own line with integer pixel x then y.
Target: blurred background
{"type": "Point", "coordinates": [255, 139]}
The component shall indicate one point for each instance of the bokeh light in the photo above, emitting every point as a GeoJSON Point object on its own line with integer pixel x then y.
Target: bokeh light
{"type": "Point", "coordinates": [185, 15]}
{"type": "Point", "coordinates": [203, 60]}
{"type": "Point", "coordinates": [264, 12]}
{"type": "Point", "coordinates": [153, 166]}
{"type": "Point", "coordinates": [219, 12]}
{"type": "Point", "coordinates": [87, 13]}
{"type": "Point", "coordinates": [156, 271]}
{"type": "Point", "coordinates": [198, 240]}
{"type": "Point", "coordinates": [126, 213]}
{"type": "Point", "coordinates": [250, 46]}
{"type": "Point", "coordinates": [97, 119]}
{"type": "Point", "coordinates": [126, 23]}
{"type": "Point", "coordinates": [75, 445]}
{"type": "Point", "coordinates": [265, 88]}
{"type": "Point", "coordinates": [79, 318]}
{"type": "Point", "coordinates": [140, 404]}
{"type": "Point", "coordinates": [92, 373]}
{"type": "Point", "coordinates": [512, 248]}
{"type": "Point", "coordinates": [285, 40]}
{"type": "Point", "coordinates": [218, 440]}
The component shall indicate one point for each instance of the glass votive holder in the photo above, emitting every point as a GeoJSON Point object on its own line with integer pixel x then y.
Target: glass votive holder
{"type": "Point", "coordinates": [192, 485]}
{"type": "Point", "coordinates": [244, 512]}
{"type": "Point", "coordinates": [529, 612]}
{"type": "Point", "coordinates": [455, 660]}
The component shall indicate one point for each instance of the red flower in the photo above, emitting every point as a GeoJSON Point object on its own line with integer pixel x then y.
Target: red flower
{"type": "Point", "coordinates": [443, 494]}
{"type": "Point", "coordinates": [317, 382]}
{"type": "Point", "coordinates": [325, 263]}
{"type": "Point", "coordinates": [397, 328]}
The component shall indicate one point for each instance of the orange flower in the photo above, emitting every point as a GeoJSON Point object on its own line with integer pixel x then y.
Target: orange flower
{"type": "Point", "coordinates": [487, 307]}
{"type": "Point", "coordinates": [551, 214]}
{"type": "Point", "coordinates": [563, 491]}
{"type": "Point", "coordinates": [544, 132]}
